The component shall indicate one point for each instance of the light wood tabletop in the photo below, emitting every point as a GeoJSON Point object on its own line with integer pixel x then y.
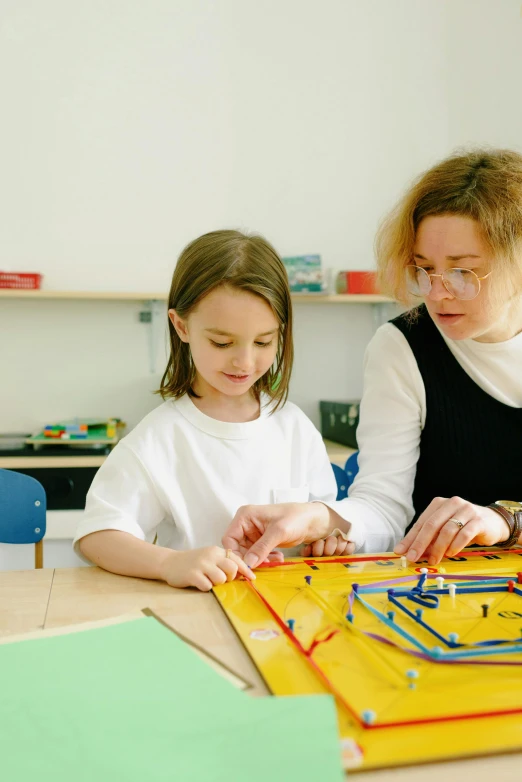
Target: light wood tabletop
{"type": "Point", "coordinates": [337, 453]}
{"type": "Point", "coordinates": [36, 599]}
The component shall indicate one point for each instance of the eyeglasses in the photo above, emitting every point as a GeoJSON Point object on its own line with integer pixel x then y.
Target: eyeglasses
{"type": "Point", "coordinates": [461, 283]}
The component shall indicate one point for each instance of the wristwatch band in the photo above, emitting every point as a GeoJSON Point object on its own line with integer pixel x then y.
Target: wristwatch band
{"type": "Point", "coordinates": [514, 521]}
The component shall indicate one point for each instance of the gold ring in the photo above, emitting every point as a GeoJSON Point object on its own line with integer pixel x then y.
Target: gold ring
{"type": "Point", "coordinates": [228, 552]}
{"type": "Point", "coordinates": [457, 522]}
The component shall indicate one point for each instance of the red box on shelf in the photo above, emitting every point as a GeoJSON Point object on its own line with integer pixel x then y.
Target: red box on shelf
{"type": "Point", "coordinates": [25, 280]}
{"type": "Point", "coordinates": [362, 282]}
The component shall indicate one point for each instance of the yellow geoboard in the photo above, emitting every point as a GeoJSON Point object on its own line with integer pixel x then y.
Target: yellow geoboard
{"type": "Point", "coordinates": [425, 663]}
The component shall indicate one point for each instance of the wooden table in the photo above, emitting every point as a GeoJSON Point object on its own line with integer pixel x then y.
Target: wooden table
{"type": "Point", "coordinates": [36, 599]}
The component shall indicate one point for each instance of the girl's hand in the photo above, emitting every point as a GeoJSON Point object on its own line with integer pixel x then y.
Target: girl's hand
{"type": "Point", "coordinates": [203, 568]}
{"type": "Point", "coordinates": [328, 547]}
{"type": "Point", "coordinates": [437, 534]}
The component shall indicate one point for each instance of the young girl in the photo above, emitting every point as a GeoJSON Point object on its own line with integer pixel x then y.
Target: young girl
{"type": "Point", "coordinates": [225, 434]}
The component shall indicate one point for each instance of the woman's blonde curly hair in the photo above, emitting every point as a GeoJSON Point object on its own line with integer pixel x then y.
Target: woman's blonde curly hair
{"type": "Point", "coordinates": [481, 184]}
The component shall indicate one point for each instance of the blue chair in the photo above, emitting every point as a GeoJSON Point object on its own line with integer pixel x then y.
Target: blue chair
{"type": "Point", "coordinates": [351, 467]}
{"type": "Point", "coordinates": [23, 507]}
{"type": "Point", "coordinates": [342, 481]}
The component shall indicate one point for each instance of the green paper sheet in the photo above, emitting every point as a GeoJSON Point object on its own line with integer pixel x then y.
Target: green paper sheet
{"type": "Point", "coordinates": [132, 702]}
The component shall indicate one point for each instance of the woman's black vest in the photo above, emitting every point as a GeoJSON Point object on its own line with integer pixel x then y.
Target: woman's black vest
{"type": "Point", "coordinates": [471, 444]}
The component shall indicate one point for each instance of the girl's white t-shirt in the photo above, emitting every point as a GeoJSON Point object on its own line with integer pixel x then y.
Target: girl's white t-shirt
{"type": "Point", "coordinates": [392, 416]}
{"type": "Point", "coordinates": [183, 475]}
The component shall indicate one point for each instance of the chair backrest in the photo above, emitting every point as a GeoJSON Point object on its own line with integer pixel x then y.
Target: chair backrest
{"type": "Point", "coordinates": [351, 467]}
{"type": "Point", "coordinates": [342, 481]}
{"type": "Point", "coordinates": [23, 507]}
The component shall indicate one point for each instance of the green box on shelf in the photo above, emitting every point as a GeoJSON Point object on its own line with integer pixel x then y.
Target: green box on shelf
{"type": "Point", "coordinates": [305, 273]}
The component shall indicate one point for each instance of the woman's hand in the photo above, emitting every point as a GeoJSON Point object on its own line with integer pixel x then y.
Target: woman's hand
{"type": "Point", "coordinates": [449, 525]}
{"type": "Point", "coordinates": [256, 530]}
{"type": "Point", "coordinates": [203, 568]}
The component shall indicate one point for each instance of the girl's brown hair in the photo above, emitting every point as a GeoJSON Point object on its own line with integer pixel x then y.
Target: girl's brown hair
{"type": "Point", "coordinates": [485, 185]}
{"type": "Point", "coordinates": [247, 263]}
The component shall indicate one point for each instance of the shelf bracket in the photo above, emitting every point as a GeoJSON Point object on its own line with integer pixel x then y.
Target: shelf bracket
{"type": "Point", "coordinates": [152, 315]}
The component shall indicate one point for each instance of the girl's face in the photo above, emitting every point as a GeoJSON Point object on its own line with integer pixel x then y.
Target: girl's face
{"type": "Point", "coordinates": [233, 337]}
{"type": "Point", "coordinates": [451, 241]}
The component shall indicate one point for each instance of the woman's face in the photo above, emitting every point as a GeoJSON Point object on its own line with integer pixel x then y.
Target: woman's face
{"type": "Point", "coordinates": [451, 241]}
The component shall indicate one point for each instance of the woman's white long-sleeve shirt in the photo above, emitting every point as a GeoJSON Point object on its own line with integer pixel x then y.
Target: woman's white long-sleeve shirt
{"type": "Point", "coordinates": [392, 416]}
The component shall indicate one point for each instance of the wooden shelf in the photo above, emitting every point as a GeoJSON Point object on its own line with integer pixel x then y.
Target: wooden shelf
{"type": "Point", "coordinates": [307, 298]}
{"type": "Point", "coordinates": [336, 453]}
{"type": "Point", "coordinates": [14, 293]}
{"type": "Point", "coordinates": [29, 462]}
{"type": "Point", "coordinates": [344, 298]}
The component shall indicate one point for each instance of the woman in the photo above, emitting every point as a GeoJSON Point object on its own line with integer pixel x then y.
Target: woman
{"type": "Point", "coordinates": [441, 414]}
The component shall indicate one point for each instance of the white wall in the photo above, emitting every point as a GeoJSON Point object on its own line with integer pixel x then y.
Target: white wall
{"type": "Point", "coordinates": [129, 128]}
{"type": "Point", "coordinates": [485, 73]}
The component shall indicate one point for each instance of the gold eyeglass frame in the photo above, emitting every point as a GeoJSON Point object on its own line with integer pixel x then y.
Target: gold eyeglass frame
{"type": "Point", "coordinates": [429, 275]}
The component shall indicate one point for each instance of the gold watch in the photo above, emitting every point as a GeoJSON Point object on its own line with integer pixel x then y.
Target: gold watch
{"type": "Point", "coordinates": [511, 512]}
